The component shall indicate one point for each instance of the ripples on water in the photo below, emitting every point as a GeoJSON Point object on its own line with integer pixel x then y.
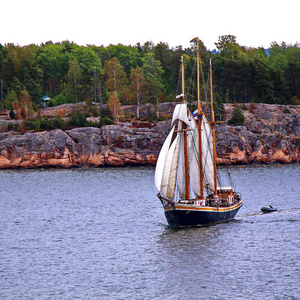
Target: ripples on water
{"type": "Point", "coordinates": [101, 234]}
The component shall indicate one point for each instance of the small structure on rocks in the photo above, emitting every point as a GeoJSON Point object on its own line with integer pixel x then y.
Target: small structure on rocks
{"type": "Point", "coordinates": [45, 99]}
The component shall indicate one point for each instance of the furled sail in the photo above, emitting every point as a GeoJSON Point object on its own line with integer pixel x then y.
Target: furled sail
{"type": "Point", "coordinates": [181, 113]}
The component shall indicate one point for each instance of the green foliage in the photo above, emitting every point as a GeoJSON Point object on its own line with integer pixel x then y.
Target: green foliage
{"type": "Point", "coordinates": [61, 99]}
{"type": "Point", "coordinates": [47, 124]}
{"type": "Point", "coordinates": [37, 124]}
{"type": "Point", "coordinates": [237, 118]}
{"type": "Point", "coordinates": [228, 46]}
{"type": "Point", "coordinates": [78, 119]}
{"type": "Point", "coordinates": [128, 56]}
{"type": "Point", "coordinates": [69, 73]}
{"type": "Point", "coordinates": [95, 112]}
{"type": "Point", "coordinates": [106, 121]}
{"type": "Point", "coordinates": [219, 111]}
{"type": "Point", "coordinates": [10, 98]}
{"type": "Point", "coordinates": [116, 80]}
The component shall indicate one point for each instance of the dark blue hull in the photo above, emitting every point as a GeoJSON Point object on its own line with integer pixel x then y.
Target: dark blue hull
{"type": "Point", "coordinates": [194, 217]}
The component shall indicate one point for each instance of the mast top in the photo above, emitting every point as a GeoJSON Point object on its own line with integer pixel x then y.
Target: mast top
{"type": "Point", "coordinates": [195, 40]}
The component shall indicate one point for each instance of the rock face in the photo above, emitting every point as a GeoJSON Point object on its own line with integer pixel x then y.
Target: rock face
{"type": "Point", "coordinates": [112, 145]}
{"type": "Point", "coordinates": [269, 135]}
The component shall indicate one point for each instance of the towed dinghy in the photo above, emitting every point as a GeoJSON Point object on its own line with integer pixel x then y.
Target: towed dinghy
{"type": "Point", "coordinates": [268, 209]}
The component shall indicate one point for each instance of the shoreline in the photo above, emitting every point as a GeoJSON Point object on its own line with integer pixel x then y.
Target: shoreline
{"type": "Point", "coordinates": [268, 136]}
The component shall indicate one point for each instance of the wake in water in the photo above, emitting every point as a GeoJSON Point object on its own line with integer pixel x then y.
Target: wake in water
{"type": "Point", "coordinates": [261, 213]}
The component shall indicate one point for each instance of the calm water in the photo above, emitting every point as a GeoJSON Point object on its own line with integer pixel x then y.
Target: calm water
{"type": "Point", "coordinates": [101, 234]}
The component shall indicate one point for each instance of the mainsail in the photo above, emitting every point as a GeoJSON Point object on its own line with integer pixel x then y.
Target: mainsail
{"type": "Point", "coordinates": [207, 158]}
{"type": "Point", "coordinates": [181, 181]}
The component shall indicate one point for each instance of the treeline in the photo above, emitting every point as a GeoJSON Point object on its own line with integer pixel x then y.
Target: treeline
{"type": "Point", "coordinates": [119, 74]}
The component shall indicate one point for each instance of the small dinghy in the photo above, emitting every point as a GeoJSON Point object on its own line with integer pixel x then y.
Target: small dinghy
{"type": "Point", "coordinates": [268, 209]}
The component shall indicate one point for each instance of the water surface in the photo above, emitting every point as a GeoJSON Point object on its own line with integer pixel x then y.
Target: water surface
{"type": "Point", "coordinates": [101, 234]}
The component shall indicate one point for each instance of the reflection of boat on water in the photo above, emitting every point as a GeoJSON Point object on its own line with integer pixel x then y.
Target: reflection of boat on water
{"type": "Point", "coordinates": [186, 173]}
{"type": "Point", "coordinates": [268, 209]}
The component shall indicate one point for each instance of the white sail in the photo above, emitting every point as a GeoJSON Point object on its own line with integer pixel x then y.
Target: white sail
{"type": "Point", "coordinates": [168, 182]}
{"type": "Point", "coordinates": [194, 162]}
{"type": "Point", "coordinates": [207, 154]}
{"type": "Point", "coordinates": [207, 157]}
{"type": "Point", "coordinates": [181, 181]}
{"type": "Point", "coordinates": [162, 159]}
{"type": "Point", "coordinates": [180, 113]}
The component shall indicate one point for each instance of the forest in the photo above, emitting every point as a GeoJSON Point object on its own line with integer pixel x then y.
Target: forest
{"type": "Point", "coordinates": [118, 74]}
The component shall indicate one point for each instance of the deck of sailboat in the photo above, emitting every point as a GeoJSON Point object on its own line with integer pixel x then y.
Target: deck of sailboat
{"type": "Point", "coordinates": [188, 207]}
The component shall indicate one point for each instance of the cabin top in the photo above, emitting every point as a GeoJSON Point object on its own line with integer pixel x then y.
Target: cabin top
{"type": "Point", "coordinates": [224, 189]}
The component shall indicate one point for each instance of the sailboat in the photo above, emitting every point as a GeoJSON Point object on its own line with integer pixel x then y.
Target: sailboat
{"type": "Point", "coordinates": [186, 171]}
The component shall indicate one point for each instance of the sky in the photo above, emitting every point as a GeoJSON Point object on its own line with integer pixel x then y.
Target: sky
{"type": "Point", "coordinates": [255, 23]}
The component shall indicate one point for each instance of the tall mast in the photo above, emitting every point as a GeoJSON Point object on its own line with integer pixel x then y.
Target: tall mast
{"type": "Point", "coordinates": [186, 164]}
{"type": "Point", "coordinates": [182, 80]}
{"type": "Point", "coordinates": [213, 129]}
{"type": "Point", "coordinates": [199, 123]}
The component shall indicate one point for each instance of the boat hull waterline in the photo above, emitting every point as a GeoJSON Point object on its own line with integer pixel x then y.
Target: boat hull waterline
{"type": "Point", "coordinates": [182, 216]}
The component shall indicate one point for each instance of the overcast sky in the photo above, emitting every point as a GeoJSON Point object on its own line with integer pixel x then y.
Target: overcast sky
{"type": "Point", "coordinates": [255, 23]}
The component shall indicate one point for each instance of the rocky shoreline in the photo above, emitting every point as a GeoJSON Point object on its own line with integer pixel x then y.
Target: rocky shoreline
{"type": "Point", "coordinates": [270, 134]}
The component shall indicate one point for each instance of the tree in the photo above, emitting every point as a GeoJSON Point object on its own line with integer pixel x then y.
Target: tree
{"type": "Point", "coordinates": [7, 72]}
{"type": "Point", "coordinates": [163, 54]}
{"type": "Point", "coordinates": [152, 84]}
{"type": "Point", "coordinates": [54, 61]}
{"type": "Point", "coordinates": [115, 76]}
{"type": "Point", "coordinates": [89, 65]}
{"type": "Point", "coordinates": [114, 105]}
{"type": "Point", "coordinates": [293, 71]}
{"type": "Point", "coordinates": [263, 86]}
{"type": "Point", "coordinates": [26, 104]}
{"type": "Point", "coordinates": [228, 46]}
{"type": "Point", "coordinates": [10, 98]}
{"type": "Point", "coordinates": [128, 56]}
{"type": "Point", "coordinates": [136, 80]}
{"type": "Point", "coordinates": [16, 86]}
{"type": "Point", "coordinates": [237, 118]}
{"type": "Point", "coordinates": [148, 47]}
{"type": "Point", "coordinates": [74, 76]}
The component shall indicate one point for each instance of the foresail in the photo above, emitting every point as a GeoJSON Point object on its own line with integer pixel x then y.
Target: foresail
{"type": "Point", "coordinates": [168, 183]}
{"type": "Point", "coordinates": [160, 165]}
